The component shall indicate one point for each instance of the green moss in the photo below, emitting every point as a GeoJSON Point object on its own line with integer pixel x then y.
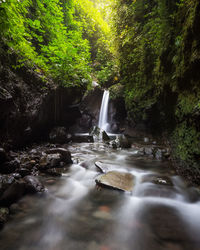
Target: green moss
{"type": "Point", "coordinates": [187, 142]}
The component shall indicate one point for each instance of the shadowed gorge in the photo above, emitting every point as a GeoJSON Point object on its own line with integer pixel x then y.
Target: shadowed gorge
{"type": "Point", "coordinates": [99, 124]}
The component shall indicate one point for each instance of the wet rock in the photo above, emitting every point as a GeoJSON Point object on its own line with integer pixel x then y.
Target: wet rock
{"type": "Point", "coordinates": [159, 154]}
{"type": "Point", "coordinates": [149, 150]}
{"type": "Point", "coordinates": [24, 171]}
{"type": "Point", "coordinates": [5, 182]}
{"type": "Point", "coordinates": [116, 180]}
{"type": "Point", "coordinates": [12, 194]}
{"type": "Point", "coordinates": [33, 185]}
{"type": "Point", "coordinates": [65, 154]}
{"type": "Point", "coordinates": [50, 161]}
{"type": "Point", "coordinates": [105, 136]}
{"type": "Point", "coordinates": [95, 131]}
{"type": "Point", "coordinates": [146, 139]}
{"type": "Point", "coordinates": [113, 144]}
{"type": "Point", "coordinates": [159, 180]}
{"type": "Point", "coordinates": [3, 156]}
{"type": "Point", "coordinates": [102, 215]}
{"type": "Point", "coordinates": [101, 166]}
{"type": "Point", "coordinates": [59, 135]}
{"type": "Point", "coordinates": [51, 172]}
{"type": "Point", "coordinates": [193, 194]}
{"type": "Point", "coordinates": [9, 167]}
{"type": "Point", "coordinates": [4, 213]}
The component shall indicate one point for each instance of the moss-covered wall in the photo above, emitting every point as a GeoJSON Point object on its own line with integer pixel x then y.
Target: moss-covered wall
{"type": "Point", "coordinates": [159, 54]}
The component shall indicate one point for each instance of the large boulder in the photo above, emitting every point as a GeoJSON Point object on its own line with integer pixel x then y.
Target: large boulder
{"type": "Point", "coordinates": [65, 154]}
{"type": "Point", "coordinates": [116, 180]}
{"type": "Point", "coordinates": [12, 194]}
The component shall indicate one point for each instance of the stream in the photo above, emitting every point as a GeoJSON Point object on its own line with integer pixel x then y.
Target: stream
{"type": "Point", "coordinates": [162, 212]}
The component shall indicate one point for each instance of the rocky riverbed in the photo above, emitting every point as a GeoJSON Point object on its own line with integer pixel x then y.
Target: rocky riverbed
{"type": "Point", "coordinates": [52, 198]}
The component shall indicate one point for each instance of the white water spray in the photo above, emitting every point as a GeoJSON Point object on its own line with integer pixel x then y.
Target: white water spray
{"type": "Point", "coordinates": [103, 116]}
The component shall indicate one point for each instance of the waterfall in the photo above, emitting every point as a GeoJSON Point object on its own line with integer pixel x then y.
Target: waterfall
{"type": "Point", "coordinates": [103, 116]}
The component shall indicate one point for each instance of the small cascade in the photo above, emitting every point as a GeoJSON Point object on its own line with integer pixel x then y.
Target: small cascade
{"type": "Point", "coordinates": [103, 116]}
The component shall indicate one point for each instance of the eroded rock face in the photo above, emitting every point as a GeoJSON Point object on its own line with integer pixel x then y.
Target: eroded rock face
{"type": "Point", "coordinates": [117, 180]}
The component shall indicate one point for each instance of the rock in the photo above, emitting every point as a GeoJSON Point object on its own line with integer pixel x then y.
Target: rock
{"type": "Point", "coordinates": [103, 215]}
{"type": "Point", "coordinates": [160, 180]}
{"type": "Point", "coordinates": [9, 167]}
{"type": "Point", "coordinates": [113, 144]}
{"type": "Point", "coordinates": [103, 168]}
{"type": "Point", "coordinates": [50, 161]}
{"type": "Point", "coordinates": [59, 135]}
{"type": "Point", "coordinates": [51, 172]}
{"type": "Point", "coordinates": [146, 139]}
{"type": "Point", "coordinates": [24, 171]}
{"type": "Point", "coordinates": [4, 213]}
{"type": "Point", "coordinates": [3, 156]}
{"type": "Point", "coordinates": [116, 180]}
{"type": "Point", "coordinates": [33, 185]}
{"type": "Point", "coordinates": [124, 142]}
{"type": "Point", "coordinates": [5, 182]}
{"type": "Point", "coordinates": [159, 154]}
{"type": "Point", "coordinates": [65, 154]}
{"type": "Point", "coordinates": [12, 194]}
{"type": "Point", "coordinates": [105, 136]}
{"type": "Point", "coordinates": [149, 150]}
{"type": "Point", "coordinates": [95, 131]}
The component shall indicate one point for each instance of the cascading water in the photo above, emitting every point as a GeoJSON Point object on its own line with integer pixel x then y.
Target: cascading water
{"type": "Point", "coordinates": [103, 116]}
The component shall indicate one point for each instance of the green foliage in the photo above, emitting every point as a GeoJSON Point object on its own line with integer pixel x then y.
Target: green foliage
{"type": "Point", "coordinates": [186, 138]}
{"type": "Point", "coordinates": [97, 31]}
{"type": "Point", "coordinates": [158, 56]}
{"type": "Point", "coordinates": [45, 34]}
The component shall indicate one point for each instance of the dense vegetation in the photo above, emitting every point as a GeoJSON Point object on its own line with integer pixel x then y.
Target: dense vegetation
{"type": "Point", "coordinates": [159, 55]}
{"type": "Point", "coordinates": [61, 39]}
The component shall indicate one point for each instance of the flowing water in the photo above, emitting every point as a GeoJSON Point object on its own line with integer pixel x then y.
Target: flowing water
{"type": "Point", "coordinates": [103, 115]}
{"type": "Point", "coordinates": [75, 214]}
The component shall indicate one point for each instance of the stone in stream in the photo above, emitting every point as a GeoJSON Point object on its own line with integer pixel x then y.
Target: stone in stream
{"type": "Point", "coordinates": [101, 166]}
{"type": "Point", "coordinates": [116, 180]}
{"type": "Point", "coordinates": [105, 136]}
{"type": "Point", "coordinates": [33, 185]}
{"type": "Point", "coordinates": [65, 154]}
{"type": "Point", "coordinates": [160, 180]}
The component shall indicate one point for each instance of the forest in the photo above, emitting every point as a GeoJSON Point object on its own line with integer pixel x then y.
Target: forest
{"type": "Point", "coordinates": [62, 64]}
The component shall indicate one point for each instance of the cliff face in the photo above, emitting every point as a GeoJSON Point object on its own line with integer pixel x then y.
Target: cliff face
{"type": "Point", "coordinates": [30, 107]}
{"type": "Point", "coordinates": [159, 52]}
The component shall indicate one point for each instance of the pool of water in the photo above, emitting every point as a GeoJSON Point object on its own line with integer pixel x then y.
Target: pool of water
{"type": "Point", "coordinates": [162, 212]}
